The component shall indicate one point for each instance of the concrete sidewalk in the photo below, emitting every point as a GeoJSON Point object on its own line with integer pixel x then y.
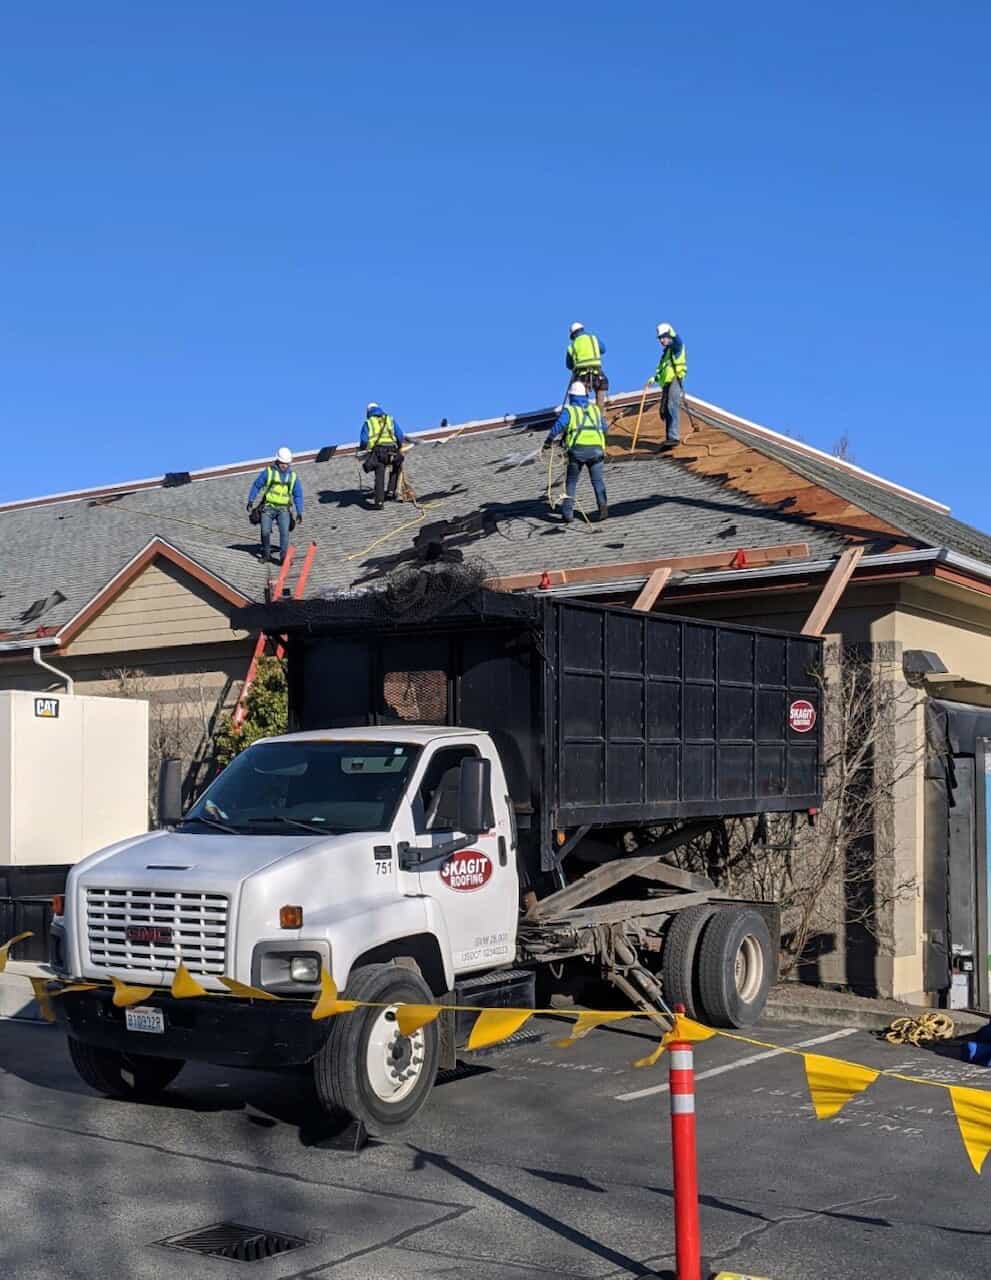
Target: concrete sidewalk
{"type": "Point", "coordinates": [796, 1002]}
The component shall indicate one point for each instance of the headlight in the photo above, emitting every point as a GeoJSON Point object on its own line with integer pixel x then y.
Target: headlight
{"type": "Point", "coordinates": [304, 969]}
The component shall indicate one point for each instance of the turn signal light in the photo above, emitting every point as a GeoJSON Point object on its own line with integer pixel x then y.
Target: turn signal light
{"type": "Point", "coordinates": [58, 904]}
{"type": "Point", "coordinates": [290, 917]}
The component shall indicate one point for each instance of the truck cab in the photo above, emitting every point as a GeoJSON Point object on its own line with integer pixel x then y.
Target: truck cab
{"type": "Point", "coordinates": [377, 850]}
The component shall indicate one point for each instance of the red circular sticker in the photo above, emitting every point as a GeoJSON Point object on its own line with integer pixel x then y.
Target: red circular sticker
{"type": "Point", "coordinates": [801, 715]}
{"type": "Point", "coordinates": [466, 870]}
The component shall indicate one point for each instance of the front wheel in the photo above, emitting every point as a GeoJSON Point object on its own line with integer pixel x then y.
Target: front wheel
{"type": "Point", "coordinates": [366, 1070]}
{"type": "Point", "coordinates": [122, 1075]}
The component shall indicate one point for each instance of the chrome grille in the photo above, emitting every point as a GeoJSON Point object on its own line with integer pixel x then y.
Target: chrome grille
{"type": "Point", "coordinates": [198, 922]}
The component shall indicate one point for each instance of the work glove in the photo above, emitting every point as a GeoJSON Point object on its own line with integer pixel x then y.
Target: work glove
{"type": "Point", "coordinates": [652, 380]}
{"type": "Point", "coordinates": [248, 508]}
{"type": "Point", "coordinates": [548, 444]}
{"type": "Point", "coordinates": [299, 521]}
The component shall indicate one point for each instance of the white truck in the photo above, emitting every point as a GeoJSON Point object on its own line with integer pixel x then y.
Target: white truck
{"type": "Point", "coordinates": [420, 863]}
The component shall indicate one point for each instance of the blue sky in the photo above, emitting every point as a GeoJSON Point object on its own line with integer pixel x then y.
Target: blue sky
{"type": "Point", "coordinates": [225, 226]}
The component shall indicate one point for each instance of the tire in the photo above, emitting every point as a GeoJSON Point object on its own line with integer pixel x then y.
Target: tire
{"type": "Point", "coordinates": [356, 1069]}
{"type": "Point", "coordinates": [122, 1075]}
{"type": "Point", "coordinates": [678, 968]}
{"type": "Point", "coordinates": [735, 967]}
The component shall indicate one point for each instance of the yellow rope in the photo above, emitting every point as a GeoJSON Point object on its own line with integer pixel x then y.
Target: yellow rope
{"type": "Point", "coordinates": [398, 529]}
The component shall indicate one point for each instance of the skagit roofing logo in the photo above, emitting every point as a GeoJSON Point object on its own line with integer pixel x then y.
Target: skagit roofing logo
{"type": "Point", "coordinates": [467, 870]}
{"type": "Point", "coordinates": [801, 715]}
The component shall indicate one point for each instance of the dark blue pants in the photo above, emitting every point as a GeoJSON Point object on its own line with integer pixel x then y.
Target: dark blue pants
{"type": "Point", "coordinates": [279, 516]}
{"type": "Point", "coordinates": [583, 455]}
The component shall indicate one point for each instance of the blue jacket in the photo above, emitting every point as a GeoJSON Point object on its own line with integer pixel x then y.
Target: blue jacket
{"type": "Point", "coordinates": [562, 418]}
{"type": "Point", "coordinates": [262, 479]}
{"type": "Point", "coordinates": [569, 363]}
{"type": "Point", "coordinates": [363, 438]}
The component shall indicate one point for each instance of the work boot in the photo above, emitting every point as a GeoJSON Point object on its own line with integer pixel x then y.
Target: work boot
{"type": "Point", "coordinates": [603, 513]}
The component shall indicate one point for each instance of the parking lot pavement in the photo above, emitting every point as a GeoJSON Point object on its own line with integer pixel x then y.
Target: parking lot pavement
{"type": "Point", "coordinates": [531, 1162]}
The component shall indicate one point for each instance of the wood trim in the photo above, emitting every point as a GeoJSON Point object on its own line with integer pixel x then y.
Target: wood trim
{"type": "Point", "coordinates": [755, 557]}
{"type": "Point", "coordinates": [652, 589]}
{"type": "Point", "coordinates": [155, 549]}
{"type": "Point", "coordinates": [830, 594]}
{"type": "Point", "coordinates": [963, 580]}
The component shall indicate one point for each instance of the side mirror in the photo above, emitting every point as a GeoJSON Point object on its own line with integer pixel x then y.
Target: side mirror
{"type": "Point", "coordinates": [473, 795]}
{"type": "Point", "coordinates": [170, 792]}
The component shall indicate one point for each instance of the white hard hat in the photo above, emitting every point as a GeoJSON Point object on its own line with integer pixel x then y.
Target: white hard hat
{"type": "Point", "coordinates": [576, 328]}
{"type": "Point", "coordinates": [372, 404]}
{"type": "Point", "coordinates": [577, 389]}
{"type": "Point", "coordinates": [284, 455]}
{"type": "Point", "coordinates": [665, 330]}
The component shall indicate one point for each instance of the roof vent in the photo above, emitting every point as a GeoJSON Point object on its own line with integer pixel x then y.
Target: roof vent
{"type": "Point", "coordinates": [173, 479]}
{"type": "Point", "coordinates": [326, 453]}
{"type": "Point", "coordinates": [233, 1241]}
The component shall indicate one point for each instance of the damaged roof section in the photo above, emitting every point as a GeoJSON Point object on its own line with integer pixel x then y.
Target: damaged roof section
{"type": "Point", "coordinates": [484, 493]}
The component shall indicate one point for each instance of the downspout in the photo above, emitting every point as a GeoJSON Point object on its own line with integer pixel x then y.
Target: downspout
{"type": "Point", "coordinates": [40, 662]}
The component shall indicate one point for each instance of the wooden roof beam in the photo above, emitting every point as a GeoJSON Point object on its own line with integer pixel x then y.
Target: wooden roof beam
{"type": "Point", "coordinates": [833, 588]}
{"type": "Point", "coordinates": [755, 557]}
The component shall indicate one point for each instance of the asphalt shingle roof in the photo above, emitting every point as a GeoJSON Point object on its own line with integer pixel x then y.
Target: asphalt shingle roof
{"type": "Point", "coordinates": [658, 507]}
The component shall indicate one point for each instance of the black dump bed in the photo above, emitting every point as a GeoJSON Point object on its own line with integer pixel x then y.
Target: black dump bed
{"type": "Point", "coordinates": [603, 716]}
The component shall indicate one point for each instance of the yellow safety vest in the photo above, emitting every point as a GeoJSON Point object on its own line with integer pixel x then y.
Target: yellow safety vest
{"type": "Point", "coordinates": [585, 426]}
{"type": "Point", "coordinates": [585, 352]}
{"type": "Point", "coordinates": [381, 429]}
{"type": "Point", "coordinates": [278, 487]}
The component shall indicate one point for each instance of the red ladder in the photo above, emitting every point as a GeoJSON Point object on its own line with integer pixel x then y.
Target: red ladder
{"type": "Point", "coordinates": [275, 590]}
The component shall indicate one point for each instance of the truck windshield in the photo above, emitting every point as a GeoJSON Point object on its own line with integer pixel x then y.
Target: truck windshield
{"type": "Point", "coordinates": [324, 787]}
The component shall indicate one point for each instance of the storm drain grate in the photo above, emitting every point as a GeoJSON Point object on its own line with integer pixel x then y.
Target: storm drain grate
{"type": "Point", "coordinates": [231, 1240]}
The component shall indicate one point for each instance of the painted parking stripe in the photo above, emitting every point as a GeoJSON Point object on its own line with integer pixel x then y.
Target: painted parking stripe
{"type": "Point", "coordinates": [740, 1062]}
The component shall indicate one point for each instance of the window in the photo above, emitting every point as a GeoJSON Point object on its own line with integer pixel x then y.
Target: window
{"type": "Point", "coordinates": [435, 807]}
{"type": "Point", "coordinates": [324, 787]}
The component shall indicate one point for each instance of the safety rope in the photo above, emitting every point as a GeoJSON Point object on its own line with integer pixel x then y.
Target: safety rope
{"type": "Point", "coordinates": [921, 1030]}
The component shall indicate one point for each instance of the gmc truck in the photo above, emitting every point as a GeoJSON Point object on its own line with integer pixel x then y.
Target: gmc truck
{"type": "Point", "coordinates": [466, 803]}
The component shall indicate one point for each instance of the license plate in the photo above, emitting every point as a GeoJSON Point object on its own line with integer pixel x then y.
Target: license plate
{"type": "Point", "coordinates": [144, 1018]}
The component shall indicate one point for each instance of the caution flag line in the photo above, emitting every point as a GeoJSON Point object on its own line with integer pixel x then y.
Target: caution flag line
{"type": "Point", "coordinates": [832, 1082]}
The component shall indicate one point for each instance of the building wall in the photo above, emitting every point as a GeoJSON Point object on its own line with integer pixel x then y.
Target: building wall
{"type": "Point", "coordinates": [164, 605]}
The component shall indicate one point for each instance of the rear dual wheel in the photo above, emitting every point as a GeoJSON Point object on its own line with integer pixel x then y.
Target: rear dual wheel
{"type": "Point", "coordinates": [718, 962]}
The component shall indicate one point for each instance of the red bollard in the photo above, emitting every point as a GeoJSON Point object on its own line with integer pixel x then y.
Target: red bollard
{"type": "Point", "coordinates": [687, 1237]}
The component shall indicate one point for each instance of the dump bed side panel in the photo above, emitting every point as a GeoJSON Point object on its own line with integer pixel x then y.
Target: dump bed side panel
{"type": "Point", "coordinates": [656, 717]}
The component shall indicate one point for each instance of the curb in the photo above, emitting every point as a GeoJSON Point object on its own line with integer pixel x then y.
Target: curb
{"type": "Point", "coordinates": [863, 1019]}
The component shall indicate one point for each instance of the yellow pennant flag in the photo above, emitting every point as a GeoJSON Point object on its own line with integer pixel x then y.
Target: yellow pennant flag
{"type": "Point", "coordinates": [249, 993]}
{"type": "Point", "coordinates": [586, 1022]}
{"type": "Point", "coordinates": [125, 996]}
{"type": "Point", "coordinates": [40, 988]}
{"type": "Point", "coordinates": [654, 1056]}
{"type": "Point", "coordinates": [973, 1112]}
{"type": "Point", "coordinates": [74, 986]}
{"type": "Point", "coordinates": [493, 1025]}
{"type": "Point", "coordinates": [184, 985]}
{"type": "Point", "coordinates": [833, 1083]}
{"type": "Point", "coordinates": [687, 1029]}
{"type": "Point", "coordinates": [5, 949]}
{"type": "Point", "coordinates": [412, 1017]}
{"type": "Point", "coordinates": [328, 1004]}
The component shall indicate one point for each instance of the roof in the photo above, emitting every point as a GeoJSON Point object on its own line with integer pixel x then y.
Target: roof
{"type": "Point", "coordinates": [481, 490]}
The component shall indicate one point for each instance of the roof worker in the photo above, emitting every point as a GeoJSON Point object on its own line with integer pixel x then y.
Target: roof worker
{"type": "Point", "coordinates": [580, 423]}
{"type": "Point", "coordinates": [383, 437]}
{"type": "Point", "coordinates": [280, 489]}
{"type": "Point", "coordinates": [584, 359]}
{"type": "Point", "coordinates": [670, 377]}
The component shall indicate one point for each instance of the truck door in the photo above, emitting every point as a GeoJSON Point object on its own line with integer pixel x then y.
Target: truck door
{"type": "Point", "coordinates": [477, 889]}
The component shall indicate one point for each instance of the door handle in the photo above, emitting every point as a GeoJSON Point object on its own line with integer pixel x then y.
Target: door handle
{"type": "Point", "coordinates": [502, 851]}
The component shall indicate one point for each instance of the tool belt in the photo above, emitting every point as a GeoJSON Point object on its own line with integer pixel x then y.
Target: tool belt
{"type": "Point", "coordinates": [383, 455]}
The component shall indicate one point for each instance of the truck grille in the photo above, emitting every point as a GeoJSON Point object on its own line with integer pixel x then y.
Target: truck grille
{"type": "Point", "coordinates": [197, 921]}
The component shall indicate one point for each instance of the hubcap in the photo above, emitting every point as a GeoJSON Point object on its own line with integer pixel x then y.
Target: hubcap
{"type": "Point", "coordinates": [748, 969]}
{"type": "Point", "coordinates": [393, 1062]}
